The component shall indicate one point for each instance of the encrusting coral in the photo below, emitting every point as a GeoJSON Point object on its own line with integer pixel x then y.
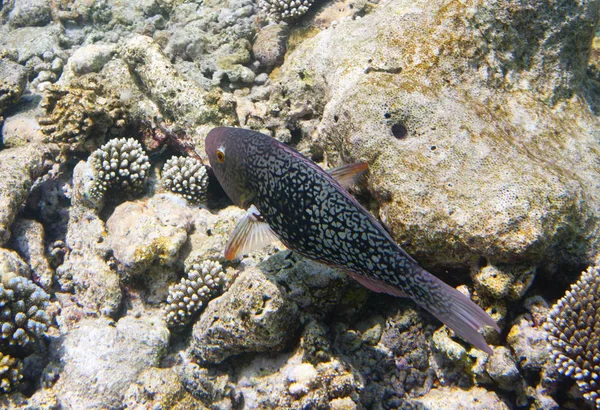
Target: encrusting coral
{"type": "Point", "coordinates": [82, 113]}
{"type": "Point", "coordinates": [187, 177]}
{"type": "Point", "coordinates": [574, 333]}
{"type": "Point", "coordinates": [285, 9]}
{"type": "Point", "coordinates": [23, 316]}
{"type": "Point", "coordinates": [202, 282]}
{"type": "Point", "coordinates": [11, 372]}
{"type": "Point", "coordinates": [120, 163]}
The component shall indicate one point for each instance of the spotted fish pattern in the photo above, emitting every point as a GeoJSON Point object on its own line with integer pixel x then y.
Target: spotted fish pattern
{"type": "Point", "coordinates": [314, 215]}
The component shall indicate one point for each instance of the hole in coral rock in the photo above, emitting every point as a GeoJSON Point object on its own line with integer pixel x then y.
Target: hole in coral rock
{"type": "Point", "coordinates": [399, 131]}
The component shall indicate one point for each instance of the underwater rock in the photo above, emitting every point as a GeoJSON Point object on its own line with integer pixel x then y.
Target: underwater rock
{"type": "Point", "coordinates": [159, 388]}
{"type": "Point", "coordinates": [270, 45]}
{"type": "Point", "coordinates": [30, 13]}
{"type": "Point", "coordinates": [148, 231]}
{"type": "Point", "coordinates": [20, 129]}
{"type": "Point", "coordinates": [83, 113]}
{"type": "Point", "coordinates": [502, 368]}
{"type": "Point", "coordinates": [13, 80]}
{"type": "Point", "coordinates": [86, 270]}
{"type": "Point", "coordinates": [28, 239]}
{"type": "Point", "coordinates": [178, 98]}
{"type": "Point", "coordinates": [529, 344]}
{"type": "Point", "coordinates": [21, 166]}
{"type": "Point", "coordinates": [253, 316]}
{"type": "Point", "coordinates": [285, 381]}
{"type": "Point", "coordinates": [99, 360]}
{"type": "Point", "coordinates": [460, 168]}
{"type": "Point", "coordinates": [31, 43]}
{"type": "Point", "coordinates": [10, 261]}
{"type": "Point", "coordinates": [90, 58]}
{"type": "Point", "coordinates": [455, 398]}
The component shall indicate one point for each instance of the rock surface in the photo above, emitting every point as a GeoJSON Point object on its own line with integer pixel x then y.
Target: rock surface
{"type": "Point", "coordinates": [464, 154]}
{"type": "Point", "coordinates": [20, 168]}
{"type": "Point", "coordinates": [100, 359]}
{"type": "Point", "coordinates": [253, 316]}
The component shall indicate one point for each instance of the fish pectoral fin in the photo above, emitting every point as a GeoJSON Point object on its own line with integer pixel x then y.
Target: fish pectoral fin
{"type": "Point", "coordinates": [348, 174]}
{"type": "Point", "coordinates": [377, 285]}
{"type": "Point", "coordinates": [250, 234]}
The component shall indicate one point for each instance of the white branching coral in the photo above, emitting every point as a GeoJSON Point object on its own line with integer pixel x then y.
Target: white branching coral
{"type": "Point", "coordinates": [574, 333]}
{"type": "Point", "coordinates": [285, 9]}
{"type": "Point", "coordinates": [120, 163]}
{"type": "Point", "coordinates": [202, 282]}
{"type": "Point", "coordinates": [187, 177]}
{"type": "Point", "coordinates": [23, 316]}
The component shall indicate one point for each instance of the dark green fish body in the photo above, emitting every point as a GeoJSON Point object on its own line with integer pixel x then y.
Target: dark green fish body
{"type": "Point", "coordinates": [312, 214]}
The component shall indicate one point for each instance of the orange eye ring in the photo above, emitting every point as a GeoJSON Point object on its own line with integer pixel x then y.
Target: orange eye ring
{"type": "Point", "coordinates": [220, 156]}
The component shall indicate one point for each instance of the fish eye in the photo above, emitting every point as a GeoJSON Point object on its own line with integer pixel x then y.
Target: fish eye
{"type": "Point", "coordinates": [220, 155]}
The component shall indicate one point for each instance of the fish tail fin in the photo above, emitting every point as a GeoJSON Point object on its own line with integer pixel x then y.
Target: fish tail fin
{"type": "Point", "coordinates": [454, 309]}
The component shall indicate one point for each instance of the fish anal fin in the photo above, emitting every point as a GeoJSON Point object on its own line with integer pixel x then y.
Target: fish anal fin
{"type": "Point", "coordinates": [251, 233]}
{"type": "Point", "coordinates": [377, 285]}
{"type": "Point", "coordinates": [347, 175]}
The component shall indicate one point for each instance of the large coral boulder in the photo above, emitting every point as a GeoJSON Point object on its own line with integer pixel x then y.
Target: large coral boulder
{"type": "Point", "coordinates": [480, 141]}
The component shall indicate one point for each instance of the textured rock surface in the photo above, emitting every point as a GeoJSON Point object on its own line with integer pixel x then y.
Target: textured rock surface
{"type": "Point", "coordinates": [13, 79]}
{"type": "Point", "coordinates": [253, 316]}
{"type": "Point", "coordinates": [148, 231]}
{"type": "Point", "coordinates": [30, 13]}
{"type": "Point", "coordinates": [453, 398]}
{"type": "Point", "coordinates": [28, 240]}
{"type": "Point", "coordinates": [464, 154]}
{"type": "Point", "coordinates": [100, 359]}
{"type": "Point", "coordinates": [20, 168]}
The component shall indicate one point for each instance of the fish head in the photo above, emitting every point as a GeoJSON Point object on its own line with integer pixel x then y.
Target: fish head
{"type": "Point", "coordinates": [227, 153]}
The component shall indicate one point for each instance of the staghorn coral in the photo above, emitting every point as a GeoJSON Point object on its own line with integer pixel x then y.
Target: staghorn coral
{"type": "Point", "coordinates": [574, 328]}
{"type": "Point", "coordinates": [82, 113]}
{"type": "Point", "coordinates": [120, 163]}
{"type": "Point", "coordinates": [202, 281]}
{"type": "Point", "coordinates": [11, 372]}
{"type": "Point", "coordinates": [187, 177]}
{"type": "Point", "coordinates": [285, 9]}
{"type": "Point", "coordinates": [23, 315]}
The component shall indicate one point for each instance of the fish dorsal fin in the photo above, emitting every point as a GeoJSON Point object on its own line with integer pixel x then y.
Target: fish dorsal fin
{"type": "Point", "coordinates": [348, 174]}
{"type": "Point", "coordinates": [250, 234]}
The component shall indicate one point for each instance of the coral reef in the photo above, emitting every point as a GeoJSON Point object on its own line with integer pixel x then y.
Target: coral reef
{"type": "Point", "coordinates": [285, 9]}
{"type": "Point", "coordinates": [22, 311]}
{"type": "Point", "coordinates": [82, 113]}
{"type": "Point", "coordinates": [202, 281]}
{"type": "Point", "coordinates": [11, 372]}
{"type": "Point", "coordinates": [187, 177]}
{"type": "Point", "coordinates": [574, 333]}
{"type": "Point", "coordinates": [119, 164]}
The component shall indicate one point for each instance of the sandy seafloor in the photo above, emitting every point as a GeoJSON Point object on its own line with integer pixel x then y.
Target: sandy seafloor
{"type": "Point", "coordinates": [479, 124]}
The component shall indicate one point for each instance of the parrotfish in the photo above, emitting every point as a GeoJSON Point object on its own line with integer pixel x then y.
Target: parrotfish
{"type": "Point", "coordinates": [290, 198]}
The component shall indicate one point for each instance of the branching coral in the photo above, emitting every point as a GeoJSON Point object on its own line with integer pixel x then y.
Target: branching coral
{"type": "Point", "coordinates": [120, 163]}
{"type": "Point", "coordinates": [574, 327]}
{"type": "Point", "coordinates": [11, 372]}
{"type": "Point", "coordinates": [23, 315]}
{"type": "Point", "coordinates": [202, 282]}
{"type": "Point", "coordinates": [187, 177]}
{"type": "Point", "coordinates": [285, 9]}
{"type": "Point", "coordinates": [82, 113]}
